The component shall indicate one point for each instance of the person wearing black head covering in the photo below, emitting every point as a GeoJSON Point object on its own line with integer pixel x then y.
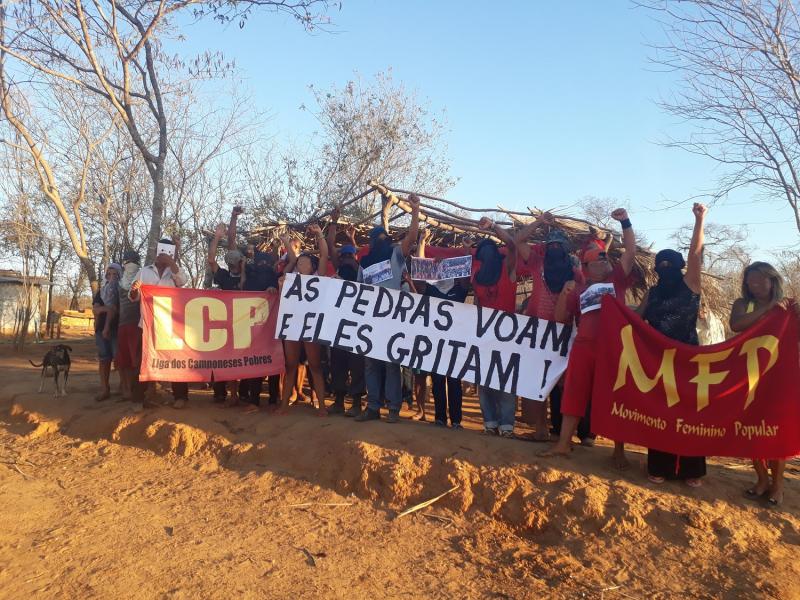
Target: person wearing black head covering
{"type": "Point", "coordinates": [671, 307]}
{"type": "Point", "coordinates": [491, 260]}
{"type": "Point", "coordinates": [260, 276]}
{"type": "Point", "coordinates": [376, 372]}
{"type": "Point", "coordinates": [347, 368]}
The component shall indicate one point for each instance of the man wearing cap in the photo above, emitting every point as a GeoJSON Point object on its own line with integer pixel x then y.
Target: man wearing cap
{"type": "Point", "coordinates": [602, 278]}
{"type": "Point", "coordinates": [225, 279]}
{"type": "Point", "coordinates": [345, 365]}
{"type": "Point", "coordinates": [129, 334]}
{"type": "Point", "coordinates": [384, 266]}
{"type": "Point", "coordinates": [550, 266]}
{"type": "Point", "coordinates": [105, 307]}
{"type": "Point", "coordinates": [164, 272]}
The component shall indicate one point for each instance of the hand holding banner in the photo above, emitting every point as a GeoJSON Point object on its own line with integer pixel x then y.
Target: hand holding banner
{"type": "Point", "coordinates": [505, 351]}
{"type": "Point", "coordinates": [738, 398]}
{"type": "Point", "coordinates": [194, 335]}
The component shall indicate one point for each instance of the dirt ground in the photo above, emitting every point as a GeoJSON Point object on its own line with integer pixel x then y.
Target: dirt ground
{"type": "Point", "coordinates": [206, 502]}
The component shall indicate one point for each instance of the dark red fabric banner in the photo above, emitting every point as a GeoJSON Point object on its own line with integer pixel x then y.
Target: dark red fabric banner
{"type": "Point", "coordinates": [194, 335]}
{"type": "Point", "coordinates": [738, 398]}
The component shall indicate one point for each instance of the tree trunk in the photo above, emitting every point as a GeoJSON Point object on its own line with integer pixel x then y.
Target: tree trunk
{"type": "Point", "coordinates": [157, 216]}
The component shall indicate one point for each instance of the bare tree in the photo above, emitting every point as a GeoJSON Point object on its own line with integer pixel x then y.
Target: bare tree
{"type": "Point", "coordinates": [367, 130]}
{"type": "Point", "coordinates": [740, 87]}
{"type": "Point", "coordinates": [725, 248]}
{"type": "Point", "coordinates": [113, 49]}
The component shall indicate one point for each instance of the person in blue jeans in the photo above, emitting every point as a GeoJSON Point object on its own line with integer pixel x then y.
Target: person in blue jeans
{"type": "Point", "coordinates": [384, 266]}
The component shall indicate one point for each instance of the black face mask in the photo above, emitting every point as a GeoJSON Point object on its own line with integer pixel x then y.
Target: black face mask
{"type": "Point", "coordinates": [491, 263]}
{"type": "Point", "coordinates": [668, 276]}
{"type": "Point", "coordinates": [348, 272]}
{"type": "Point", "coordinates": [557, 269]}
{"type": "Point", "coordinates": [380, 250]}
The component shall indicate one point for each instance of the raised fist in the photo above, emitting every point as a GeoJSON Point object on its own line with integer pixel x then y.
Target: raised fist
{"type": "Point", "coordinates": [699, 210]}
{"type": "Point", "coordinates": [619, 214]}
{"type": "Point", "coordinates": [486, 223]}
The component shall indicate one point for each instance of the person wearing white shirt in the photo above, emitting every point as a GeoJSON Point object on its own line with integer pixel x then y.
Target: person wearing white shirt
{"type": "Point", "coordinates": [164, 272]}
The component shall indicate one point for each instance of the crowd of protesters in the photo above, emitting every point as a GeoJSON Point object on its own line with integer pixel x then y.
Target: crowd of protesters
{"type": "Point", "coordinates": [561, 277]}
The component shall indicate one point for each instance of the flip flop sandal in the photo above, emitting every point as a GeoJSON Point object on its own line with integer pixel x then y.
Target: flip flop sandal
{"type": "Point", "coordinates": [694, 483]}
{"type": "Point", "coordinates": [753, 494]}
{"type": "Point", "coordinates": [654, 479]}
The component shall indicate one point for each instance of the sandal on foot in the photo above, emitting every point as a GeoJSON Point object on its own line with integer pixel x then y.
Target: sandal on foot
{"type": "Point", "coordinates": [754, 494]}
{"type": "Point", "coordinates": [655, 479]}
{"type": "Point", "coordinates": [694, 483]}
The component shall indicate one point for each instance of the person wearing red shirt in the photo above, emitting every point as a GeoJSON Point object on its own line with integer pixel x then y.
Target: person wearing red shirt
{"type": "Point", "coordinates": [550, 266]}
{"type": "Point", "coordinates": [494, 282]}
{"type": "Point", "coordinates": [602, 278]}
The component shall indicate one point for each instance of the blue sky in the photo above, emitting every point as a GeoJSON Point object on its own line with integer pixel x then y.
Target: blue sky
{"type": "Point", "coordinates": [545, 102]}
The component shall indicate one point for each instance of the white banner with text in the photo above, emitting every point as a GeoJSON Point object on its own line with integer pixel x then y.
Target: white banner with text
{"type": "Point", "coordinates": [493, 348]}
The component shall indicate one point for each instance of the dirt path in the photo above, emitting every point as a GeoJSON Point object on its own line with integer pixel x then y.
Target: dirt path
{"type": "Point", "coordinates": [100, 502]}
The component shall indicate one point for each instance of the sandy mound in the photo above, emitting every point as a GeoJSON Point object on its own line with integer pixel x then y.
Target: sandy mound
{"type": "Point", "coordinates": [574, 519]}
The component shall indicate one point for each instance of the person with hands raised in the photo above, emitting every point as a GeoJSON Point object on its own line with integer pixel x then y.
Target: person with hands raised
{"type": "Point", "coordinates": [384, 266]}
{"type": "Point", "coordinates": [305, 264]}
{"type": "Point", "coordinates": [494, 282]}
{"type": "Point", "coordinates": [671, 307]}
{"type": "Point", "coordinates": [601, 278]}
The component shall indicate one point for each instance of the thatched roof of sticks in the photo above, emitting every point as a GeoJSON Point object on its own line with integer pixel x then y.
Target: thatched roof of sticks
{"type": "Point", "coordinates": [455, 225]}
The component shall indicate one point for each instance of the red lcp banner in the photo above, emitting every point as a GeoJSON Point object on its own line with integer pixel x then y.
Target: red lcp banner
{"type": "Point", "coordinates": [200, 335]}
{"type": "Point", "coordinates": [739, 398]}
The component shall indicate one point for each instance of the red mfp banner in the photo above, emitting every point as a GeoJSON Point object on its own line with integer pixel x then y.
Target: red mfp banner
{"type": "Point", "coordinates": [194, 335]}
{"type": "Point", "coordinates": [738, 398]}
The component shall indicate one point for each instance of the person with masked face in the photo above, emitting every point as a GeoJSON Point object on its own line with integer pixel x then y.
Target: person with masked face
{"type": "Point", "coordinates": [105, 307]}
{"type": "Point", "coordinates": [671, 307]}
{"type": "Point", "coordinates": [226, 279]}
{"type": "Point", "coordinates": [602, 278]}
{"type": "Point", "coordinates": [345, 366]}
{"type": "Point", "coordinates": [260, 276]}
{"type": "Point", "coordinates": [384, 266]}
{"type": "Point", "coordinates": [494, 283]}
{"type": "Point", "coordinates": [129, 334]}
{"type": "Point", "coordinates": [550, 266]}
{"type": "Point", "coordinates": [166, 272]}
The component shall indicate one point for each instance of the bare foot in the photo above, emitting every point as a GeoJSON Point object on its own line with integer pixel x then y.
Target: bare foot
{"type": "Point", "coordinates": [419, 416]}
{"type": "Point", "coordinates": [556, 451]}
{"type": "Point", "coordinates": [695, 483]}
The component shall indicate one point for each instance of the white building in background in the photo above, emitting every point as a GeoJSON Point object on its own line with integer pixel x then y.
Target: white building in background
{"type": "Point", "coordinates": [16, 293]}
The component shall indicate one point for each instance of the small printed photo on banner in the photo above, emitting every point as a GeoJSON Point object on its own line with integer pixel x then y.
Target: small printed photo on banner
{"type": "Point", "coordinates": [423, 269]}
{"type": "Point", "coordinates": [593, 296]}
{"type": "Point", "coordinates": [456, 267]}
{"type": "Point", "coordinates": [378, 273]}
{"type": "Point", "coordinates": [431, 269]}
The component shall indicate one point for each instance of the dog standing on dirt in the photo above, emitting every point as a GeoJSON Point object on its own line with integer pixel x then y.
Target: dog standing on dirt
{"type": "Point", "coordinates": [57, 359]}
